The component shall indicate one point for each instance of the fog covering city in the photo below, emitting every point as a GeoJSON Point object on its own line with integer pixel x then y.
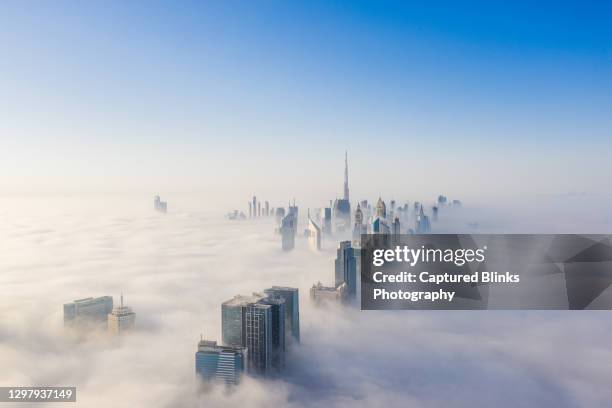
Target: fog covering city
{"type": "Point", "coordinates": [175, 269]}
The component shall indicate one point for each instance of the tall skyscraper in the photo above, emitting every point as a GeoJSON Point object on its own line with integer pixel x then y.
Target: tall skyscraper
{"type": "Point", "coordinates": [359, 227]}
{"type": "Point", "coordinates": [257, 331]}
{"type": "Point", "coordinates": [294, 210]}
{"type": "Point", "coordinates": [346, 268]}
{"type": "Point", "coordinates": [396, 227]}
{"type": "Point", "coordinates": [121, 319]}
{"type": "Point", "coordinates": [278, 311]}
{"type": "Point", "coordinates": [342, 206]}
{"type": "Point", "coordinates": [314, 235]}
{"type": "Point", "coordinates": [381, 209]}
{"type": "Point", "coordinates": [250, 210]}
{"type": "Point", "coordinates": [267, 208]}
{"type": "Point", "coordinates": [222, 363]}
{"type": "Point", "coordinates": [346, 185]}
{"type": "Point", "coordinates": [327, 221]}
{"type": "Point", "coordinates": [88, 313]}
{"type": "Point", "coordinates": [279, 214]}
{"type": "Point", "coordinates": [254, 207]}
{"type": "Point", "coordinates": [232, 314]}
{"type": "Point", "coordinates": [422, 225]}
{"type": "Point", "coordinates": [292, 311]}
{"type": "Point", "coordinates": [288, 231]}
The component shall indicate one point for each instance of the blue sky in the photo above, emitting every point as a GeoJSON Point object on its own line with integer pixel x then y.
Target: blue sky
{"type": "Point", "coordinates": [162, 95]}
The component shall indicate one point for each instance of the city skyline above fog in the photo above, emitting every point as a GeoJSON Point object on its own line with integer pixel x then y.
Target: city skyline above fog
{"type": "Point", "coordinates": [233, 99]}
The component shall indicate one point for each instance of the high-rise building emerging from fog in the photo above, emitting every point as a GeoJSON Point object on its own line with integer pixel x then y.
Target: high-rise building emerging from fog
{"type": "Point", "coordinates": [342, 206]}
{"type": "Point", "coordinates": [88, 313]}
{"type": "Point", "coordinates": [327, 221]}
{"type": "Point", "coordinates": [288, 231]}
{"type": "Point", "coordinates": [292, 311]}
{"type": "Point", "coordinates": [422, 225]}
{"type": "Point", "coordinates": [121, 319]}
{"type": "Point", "coordinates": [314, 235]}
{"type": "Point", "coordinates": [220, 363]}
{"type": "Point", "coordinates": [264, 324]}
{"type": "Point", "coordinates": [346, 268]}
{"type": "Point", "coordinates": [232, 314]}
{"type": "Point", "coordinates": [159, 205]}
{"type": "Point", "coordinates": [257, 331]}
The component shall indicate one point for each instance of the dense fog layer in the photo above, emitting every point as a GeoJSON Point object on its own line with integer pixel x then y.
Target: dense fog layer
{"type": "Point", "coordinates": [175, 269]}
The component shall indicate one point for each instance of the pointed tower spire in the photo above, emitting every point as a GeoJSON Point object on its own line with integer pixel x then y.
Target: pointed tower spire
{"type": "Point", "coordinates": [346, 187]}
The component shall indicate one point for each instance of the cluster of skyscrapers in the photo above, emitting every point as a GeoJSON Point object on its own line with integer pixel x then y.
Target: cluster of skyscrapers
{"type": "Point", "coordinates": [257, 331]}
{"type": "Point", "coordinates": [257, 211]}
{"type": "Point", "coordinates": [96, 313]}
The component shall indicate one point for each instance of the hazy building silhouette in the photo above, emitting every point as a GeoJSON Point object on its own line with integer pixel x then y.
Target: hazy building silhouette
{"type": "Point", "coordinates": [159, 205]}
{"type": "Point", "coordinates": [88, 312]}
{"type": "Point", "coordinates": [121, 319]}
{"type": "Point", "coordinates": [381, 209]}
{"type": "Point", "coordinates": [380, 226]}
{"type": "Point", "coordinates": [314, 235]}
{"type": "Point", "coordinates": [422, 225]}
{"type": "Point", "coordinates": [279, 214]}
{"type": "Point", "coordinates": [288, 231]}
{"type": "Point", "coordinates": [327, 221]}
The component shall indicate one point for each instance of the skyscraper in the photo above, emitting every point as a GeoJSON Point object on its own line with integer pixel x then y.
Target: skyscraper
{"type": "Point", "coordinates": [288, 230]}
{"type": "Point", "coordinates": [327, 221]}
{"type": "Point", "coordinates": [88, 313]}
{"type": "Point", "coordinates": [396, 227]}
{"type": "Point", "coordinates": [232, 313]}
{"type": "Point", "coordinates": [358, 228]}
{"type": "Point", "coordinates": [381, 209]}
{"type": "Point", "coordinates": [346, 185]}
{"type": "Point", "coordinates": [346, 268]}
{"type": "Point", "coordinates": [122, 318]}
{"type": "Point", "coordinates": [278, 312]}
{"type": "Point", "coordinates": [422, 225]}
{"type": "Point", "coordinates": [292, 311]}
{"type": "Point", "coordinates": [314, 235]}
{"type": "Point", "coordinates": [279, 214]}
{"type": "Point", "coordinates": [267, 208]}
{"type": "Point", "coordinates": [254, 207]}
{"type": "Point", "coordinates": [222, 363]}
{"type": "Point", "coordinates": [257, 331]}
{"type": "Point", "coordinates": [342, 206]}
{"type": "Point", "coordinates": [294, 210]}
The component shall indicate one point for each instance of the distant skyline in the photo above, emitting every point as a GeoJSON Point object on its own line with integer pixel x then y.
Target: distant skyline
{"type": "Point", "coordinates": [235, 98]}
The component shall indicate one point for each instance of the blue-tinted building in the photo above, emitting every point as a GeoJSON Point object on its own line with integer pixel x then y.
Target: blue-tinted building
{"type": "Point", "coordinates": [292, 311]}
{"type": "Point", "coordinates": [346, 268]}
{"type": "Point", "coordinates": [220, 363]}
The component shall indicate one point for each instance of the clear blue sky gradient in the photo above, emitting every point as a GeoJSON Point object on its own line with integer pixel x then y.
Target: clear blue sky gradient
{"type": "Point", "coordinates": [270, 78]}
